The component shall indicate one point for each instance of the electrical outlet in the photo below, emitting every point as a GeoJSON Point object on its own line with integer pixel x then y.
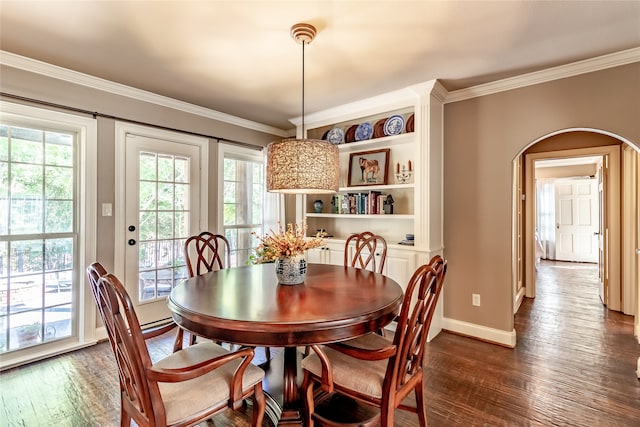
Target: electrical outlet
{"type": "Point", "coordinates": [475, 299]}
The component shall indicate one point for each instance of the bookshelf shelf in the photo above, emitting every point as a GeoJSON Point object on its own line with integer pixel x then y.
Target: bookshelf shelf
{"type": "Point", "coordinates": [361, 216]}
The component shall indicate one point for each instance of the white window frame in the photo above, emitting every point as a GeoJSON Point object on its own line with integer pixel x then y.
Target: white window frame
{"type": "Point", "coordinates": [87, 131]}
{"type": "Point", "coordinates": [273, 212]}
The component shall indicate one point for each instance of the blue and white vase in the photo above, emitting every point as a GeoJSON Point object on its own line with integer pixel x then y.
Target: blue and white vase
{"type": "Point", "coordinates": [291, 270]}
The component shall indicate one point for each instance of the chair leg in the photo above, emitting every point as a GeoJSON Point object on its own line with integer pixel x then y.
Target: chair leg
{"type": "Point", "coordinates": [177, 344]}
{"type": "Point", "coordinates": [125, 419]}
{"type": "Point", "coordinates": [259, 405]}
{"type": "Point", "coordinates": [421, 408]}
{"type": "Point", "coordinates": [267, 353]}
{"type": "Point", "coordinates": [386, 415]}
{"type": "Point", "coordinates": [307, 396]}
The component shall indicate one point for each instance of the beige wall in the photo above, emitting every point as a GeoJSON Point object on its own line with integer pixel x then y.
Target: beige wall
{"type": "Point", "coordinates": [482, 137]}
{"type": "Point", "coordinates": [36, 86]}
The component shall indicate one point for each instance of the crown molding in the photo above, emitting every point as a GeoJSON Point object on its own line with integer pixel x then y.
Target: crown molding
{"type": "Point", "coordinates": [34, 66]}
{"type": "Point", "coordinates": [563, 71]}
{"type": "Point", "coordinates": [393, 100]}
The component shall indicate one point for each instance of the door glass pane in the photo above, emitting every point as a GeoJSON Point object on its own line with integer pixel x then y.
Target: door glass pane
{"type": "Point", "coordinates": [165, 168]}
{"type": "Point", "coordinates": [165, 225]}
{"type": "Point", "coordinates": [165, 196]}
{"type": "Point", "coordinates": [147, 195]}
{"type": "Point", "coordinates": [148, 166]}
{"type": "Point", "coordinates": [164, 217]}
{"type": "Point", "coordinates": [181, 224]}
{"type": "Point", "coordinates": [181, 196]}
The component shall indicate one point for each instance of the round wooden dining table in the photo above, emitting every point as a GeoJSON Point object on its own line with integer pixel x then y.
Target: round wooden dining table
{"type": "Point", "coordinates": [247, 306]}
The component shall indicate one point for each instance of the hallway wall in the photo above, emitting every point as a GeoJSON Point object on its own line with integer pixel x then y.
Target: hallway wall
{"type": "Point", "coordinates": [483, 136]}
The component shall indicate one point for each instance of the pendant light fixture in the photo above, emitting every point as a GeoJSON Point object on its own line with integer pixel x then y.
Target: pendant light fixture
{"type": "Point", "coordinates": [295, 165]}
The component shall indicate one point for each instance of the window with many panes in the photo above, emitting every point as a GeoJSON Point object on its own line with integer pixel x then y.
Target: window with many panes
{"type": "Point", "coordinates": [243, 206]}
{"type": "Point", "coordinates": [38, 236]}
{"type": "Point", "coordinates": [246, 206]}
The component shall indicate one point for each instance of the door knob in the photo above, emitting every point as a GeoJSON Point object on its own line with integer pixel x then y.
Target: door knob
{"type": "Point", "coordinates": [131, 242]}
{"type": "Point", "coordinates": [132, 228]}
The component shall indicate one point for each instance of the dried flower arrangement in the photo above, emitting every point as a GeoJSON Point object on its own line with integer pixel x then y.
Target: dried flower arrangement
{"type": "Point", "coordinates": [286, 242]}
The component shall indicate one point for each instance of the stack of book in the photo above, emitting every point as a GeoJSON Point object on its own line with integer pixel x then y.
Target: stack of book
{"type": "Point", "coordinates": [369, 203]}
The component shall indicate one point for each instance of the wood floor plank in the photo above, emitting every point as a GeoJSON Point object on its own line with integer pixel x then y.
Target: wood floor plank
{"type": "Point", "coordinates": [574, 365]}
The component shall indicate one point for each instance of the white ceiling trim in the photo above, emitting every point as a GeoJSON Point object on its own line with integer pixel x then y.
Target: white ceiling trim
{"type": "Point", "coordinates": [27, 64]}
{"type": "Point", "coordinates": [617, 59]}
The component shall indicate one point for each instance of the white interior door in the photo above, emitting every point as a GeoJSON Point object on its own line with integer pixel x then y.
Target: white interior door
{"type": "Point", "coordinates": [577, 220]}
{"type": "Point", "coordinates": [602, 230]}
{"type": "Point", "coordinates": [162, 208]}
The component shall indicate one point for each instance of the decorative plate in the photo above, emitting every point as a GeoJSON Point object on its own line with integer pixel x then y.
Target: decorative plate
{"type": "Point", "coordinates": [410, 123]}
{"type": "Point", "coordinates": [335, 136]}
{"type": "Point", "coordinates": [394, 125]}
{"type": "Point", "coordinates": [350, 135]}
{"type": "Point", "coordinates": [378, 128]}
{"type": "Point", "coordinates": [364, 131]}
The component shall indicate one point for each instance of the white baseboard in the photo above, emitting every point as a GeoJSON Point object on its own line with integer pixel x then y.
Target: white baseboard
{"type": "Point", "coordinates": [497, 336]}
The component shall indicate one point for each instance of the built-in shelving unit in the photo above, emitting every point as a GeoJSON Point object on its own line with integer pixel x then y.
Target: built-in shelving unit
{"type": "Point", "coordinates": [417, 201]}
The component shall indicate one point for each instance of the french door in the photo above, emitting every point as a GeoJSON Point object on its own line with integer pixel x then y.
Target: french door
{"type": "Point", "coordinates": [163, 207]}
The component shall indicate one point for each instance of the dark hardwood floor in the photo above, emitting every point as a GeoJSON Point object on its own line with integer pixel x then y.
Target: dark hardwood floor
{"type": "Point", "coordinates": [574, 365]}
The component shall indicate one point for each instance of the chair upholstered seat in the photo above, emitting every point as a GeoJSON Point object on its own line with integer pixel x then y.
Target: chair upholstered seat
{"type": "Point", "coordinates": [189, 397]}
{"type": "Point", "coordinates": [370, 373]}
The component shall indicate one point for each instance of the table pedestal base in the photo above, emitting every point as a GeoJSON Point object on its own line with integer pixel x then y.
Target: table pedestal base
{"type": "Point", "coordinates": [282, 381]}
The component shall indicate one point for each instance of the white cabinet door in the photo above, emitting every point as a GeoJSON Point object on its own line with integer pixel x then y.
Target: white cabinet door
{"type": "Point", "coordinates": [399, 266]}
{"type": "Point", "coordinates": [334, 254]}
{"type": "Point", "coordinates": [316, 255]}
{"type": "Point", "coordinates": [329, 254]}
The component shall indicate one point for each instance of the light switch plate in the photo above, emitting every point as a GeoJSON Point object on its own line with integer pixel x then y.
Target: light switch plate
{"type": "Point", "coordinates": [107, 209]}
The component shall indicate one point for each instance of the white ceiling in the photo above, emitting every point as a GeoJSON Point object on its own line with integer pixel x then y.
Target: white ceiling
{"type": "Point", "coordinates": [237, 57]}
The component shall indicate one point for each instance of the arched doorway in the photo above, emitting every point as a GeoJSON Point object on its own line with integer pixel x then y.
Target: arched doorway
{"type": "Point", "coordinates": [622, 236]}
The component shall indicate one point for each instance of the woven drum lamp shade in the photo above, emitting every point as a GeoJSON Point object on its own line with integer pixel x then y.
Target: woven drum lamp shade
{"type": "Point", "coordinates": [302, 166]}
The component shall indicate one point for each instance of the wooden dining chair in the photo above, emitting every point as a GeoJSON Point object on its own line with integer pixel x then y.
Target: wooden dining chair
{"type": "Point", "coordinates": [371, 368]}
{"type": "Point", "coordinates": [209, 252]}
{"type": "Point", "coordinates": [369, 251]}
{"type": "Point", "coordinates": [186, 387]}
{"type": "Point", "coordinates": [206, 252]}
